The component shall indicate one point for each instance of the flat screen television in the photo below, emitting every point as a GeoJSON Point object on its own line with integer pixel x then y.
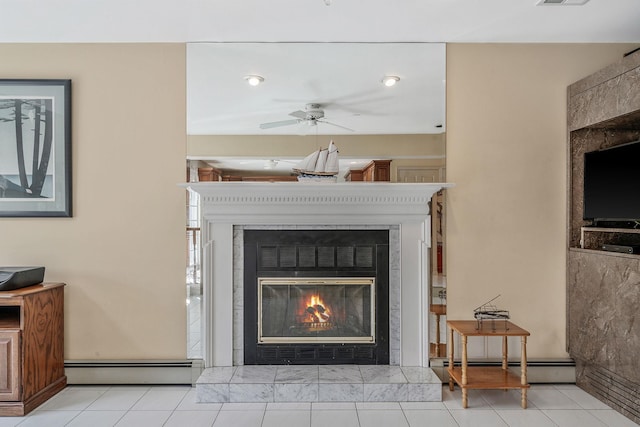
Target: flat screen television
{"type": "Point", "coordinates": [612, 185]}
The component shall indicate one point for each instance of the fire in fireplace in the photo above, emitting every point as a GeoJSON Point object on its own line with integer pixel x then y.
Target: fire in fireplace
{"type": "Point", "coordinates": [316, 310]}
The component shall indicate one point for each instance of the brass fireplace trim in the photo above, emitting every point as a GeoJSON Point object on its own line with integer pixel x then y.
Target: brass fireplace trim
{"type": "Point", "coordinates": [288, 281]}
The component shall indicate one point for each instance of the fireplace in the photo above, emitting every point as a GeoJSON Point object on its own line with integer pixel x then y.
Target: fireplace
{"type": "Point", "coordinates": [316, 297]}
{"type": "Point", "coordinates": [316, 310]}
{"type": "Point", "coordinates": [230, 209]}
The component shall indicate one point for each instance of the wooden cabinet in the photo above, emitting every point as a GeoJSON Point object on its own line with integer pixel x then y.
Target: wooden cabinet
{"type": "Point", "coordinates": [354, 175]}
{"type": "Point", "coordinates": [9, 365]}
{"type": "Point", "coordinates": [215, 175]}
{"type": "Point", "coordinates": [375, 170]}
{"type": "Point", "coordinates": [209, 174]}
{"type": "Point", "coordinates": [31, 347]}
{"type": "Point", "coordinates": [270, 178]}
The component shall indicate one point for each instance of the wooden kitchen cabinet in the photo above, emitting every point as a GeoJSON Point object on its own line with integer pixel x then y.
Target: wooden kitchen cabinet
{"type": "Point", "coordinates": [375, 170]}
{"type": "Point", "coordinates": [31, 347]}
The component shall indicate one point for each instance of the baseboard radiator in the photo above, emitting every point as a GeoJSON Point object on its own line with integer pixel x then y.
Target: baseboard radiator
{"type": "Point", "coordinates": [188, 371]}
{"type": "Point", "coordinates": [539, 371]}
{"type": "Point", "coordinates": [133, 371]}
{"type": "Point", "coordinates": [618, 392]}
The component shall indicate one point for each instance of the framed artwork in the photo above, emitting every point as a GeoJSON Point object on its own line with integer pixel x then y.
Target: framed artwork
{"type": "Point", "coordinates": [35, 148]}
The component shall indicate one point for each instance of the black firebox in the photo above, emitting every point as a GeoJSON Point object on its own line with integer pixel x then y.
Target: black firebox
{"type": "Point", "coordinates": [316, 297]}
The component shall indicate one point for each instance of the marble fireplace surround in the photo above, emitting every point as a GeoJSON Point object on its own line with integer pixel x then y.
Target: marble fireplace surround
{"type": "Point", "coordinates": [227, 208]}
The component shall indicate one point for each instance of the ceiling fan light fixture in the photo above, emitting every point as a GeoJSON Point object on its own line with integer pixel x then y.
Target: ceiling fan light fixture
{"type": "Point", "coordinates": [254, 79]}
{"type": "Point", "coordinates": [389, 81]}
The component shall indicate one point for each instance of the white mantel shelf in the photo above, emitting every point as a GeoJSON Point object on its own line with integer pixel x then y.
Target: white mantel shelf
{"type": "Point", "coordinates": [348, 198]}
{"type": "Point", "coordinates": [226, 205]}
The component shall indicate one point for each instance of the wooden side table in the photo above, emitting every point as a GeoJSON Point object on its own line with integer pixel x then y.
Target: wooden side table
{"type": "Point", "coordinates": [487, 377]}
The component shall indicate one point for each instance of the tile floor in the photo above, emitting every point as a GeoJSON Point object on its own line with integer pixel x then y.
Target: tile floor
{"type": "Point", "coordinates": [143, 406]}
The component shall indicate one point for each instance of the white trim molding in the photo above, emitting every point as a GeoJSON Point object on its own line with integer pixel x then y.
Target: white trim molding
{"type": "Point", "coordinates": [290, 205]}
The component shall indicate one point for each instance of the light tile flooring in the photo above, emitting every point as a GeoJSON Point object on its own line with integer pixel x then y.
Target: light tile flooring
{"type": "Point", "coordinates": [142, 406]}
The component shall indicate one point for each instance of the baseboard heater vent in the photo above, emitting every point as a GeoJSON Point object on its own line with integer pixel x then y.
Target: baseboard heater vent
{"type": "Point", "coordinates": [516, 363]}
{"type": "Point", "coordinates": [133, 371]}
{"type": "Point", "coordinates": [539, 371]}
{"type": "Point", "coordinates": [614, 390]}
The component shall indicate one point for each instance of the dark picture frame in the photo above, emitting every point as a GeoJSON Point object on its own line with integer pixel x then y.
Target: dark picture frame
{"type": "Point", "coordinates": [35, 148]}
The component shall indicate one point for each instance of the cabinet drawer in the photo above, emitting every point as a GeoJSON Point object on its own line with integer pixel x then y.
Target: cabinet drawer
{"type": "Point", "coordinates": [9, 365]}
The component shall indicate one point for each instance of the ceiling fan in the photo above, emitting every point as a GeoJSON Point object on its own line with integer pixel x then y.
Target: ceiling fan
{"type": "Point", "coordinates": [312, 115]}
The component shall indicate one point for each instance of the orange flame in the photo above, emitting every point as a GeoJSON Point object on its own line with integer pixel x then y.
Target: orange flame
{"type": "Point", "coordinates": [316, 310]}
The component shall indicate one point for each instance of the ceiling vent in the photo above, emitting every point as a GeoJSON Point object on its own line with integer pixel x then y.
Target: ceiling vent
{"type": "Point", "coordinates": [561, 2]}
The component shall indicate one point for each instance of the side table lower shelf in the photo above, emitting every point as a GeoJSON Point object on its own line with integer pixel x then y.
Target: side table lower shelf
{"type": "Point", "coordinates": [487, 378]}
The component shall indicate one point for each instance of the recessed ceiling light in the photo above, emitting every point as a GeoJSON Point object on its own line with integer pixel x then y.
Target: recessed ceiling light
{"type": "Point", "coordinates": [390, 80]}
{"type": "Point", "coordinates": [254, 80]}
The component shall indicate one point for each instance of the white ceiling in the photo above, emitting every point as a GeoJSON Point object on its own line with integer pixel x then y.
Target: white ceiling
{"type": "Point", "coordinates": [313, 21]}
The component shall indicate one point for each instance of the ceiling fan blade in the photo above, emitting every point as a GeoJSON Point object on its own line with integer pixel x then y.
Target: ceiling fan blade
{"type": "Point", "coordinates": [280, 123]}
{"type": "Point", "coordinates": [333, 124]}
{"type": "Point", "coordinates": [299, 114]}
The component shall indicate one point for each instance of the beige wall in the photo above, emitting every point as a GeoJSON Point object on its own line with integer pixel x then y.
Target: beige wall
{"type": "Point", "coordinates": [354, 146]}
{"type": "Point", "coordinates": [122, 254]}
{"type": "Point", "coordinates": [506, 152]}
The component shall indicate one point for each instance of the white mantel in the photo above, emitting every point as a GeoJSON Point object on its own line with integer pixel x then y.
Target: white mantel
{"type": "Point", "coordinates": [289, 204]}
